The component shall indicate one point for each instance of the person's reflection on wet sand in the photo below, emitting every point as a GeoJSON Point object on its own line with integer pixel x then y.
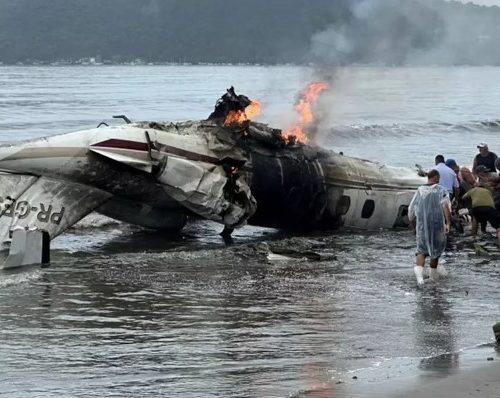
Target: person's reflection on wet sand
{"type": "Point", "coordinates": [434, 333]}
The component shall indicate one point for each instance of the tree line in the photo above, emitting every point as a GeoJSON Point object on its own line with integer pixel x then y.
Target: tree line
{"type": "Point", "coordinates": [389, 32]}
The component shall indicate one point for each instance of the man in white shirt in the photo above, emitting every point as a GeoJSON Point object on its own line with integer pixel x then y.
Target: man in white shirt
{"type": "Point", "coordinates": [447, 177]}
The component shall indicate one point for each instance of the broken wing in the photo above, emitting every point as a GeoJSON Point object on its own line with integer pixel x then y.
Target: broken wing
{"type": "Point", "coordinates": [206, 190]}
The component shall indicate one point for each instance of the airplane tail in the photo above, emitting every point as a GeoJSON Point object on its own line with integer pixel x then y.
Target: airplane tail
{"type": "Point", "coordinates": [34, 210]}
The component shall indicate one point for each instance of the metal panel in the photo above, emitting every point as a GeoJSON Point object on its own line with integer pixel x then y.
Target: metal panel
{"type": "Point", "coordinates": [51, 205]}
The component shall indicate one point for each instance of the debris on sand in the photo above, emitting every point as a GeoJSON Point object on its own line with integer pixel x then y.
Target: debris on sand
{"type": "Point", "coordinates": [487, 250]}
{"type": "Point", "coordinates": [293, 249]}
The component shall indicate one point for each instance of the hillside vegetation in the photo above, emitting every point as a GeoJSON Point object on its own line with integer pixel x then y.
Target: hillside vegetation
{"type": "Point", "coordinates": [393, 32]}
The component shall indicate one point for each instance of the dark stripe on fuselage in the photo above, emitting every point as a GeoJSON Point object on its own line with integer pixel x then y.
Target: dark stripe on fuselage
{"type": "Point", "coordinates": [197, 157]}
{"type": "Point", "coordinates": [142, 146]}
{"type": "Point", "coordinates": [122, 144]}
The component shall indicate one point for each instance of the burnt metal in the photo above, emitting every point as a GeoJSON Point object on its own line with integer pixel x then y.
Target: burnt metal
{"type": "Point", "coordinates": [127, 120]}
{"type": "Point", "coordinates": [150, 145]}
{"type": "Point", "coordinates": [266, 135]}
{"type": "Point", "coordinates": [231, 162]}
{"type": "Point", "coordinates": [289, 189]}
{"type": "Point", "coordinates": [229, 102]}
{"type": "Point", "coordinates": [496, 331]}
{"type": "Point", "coordinates": [120, 180]}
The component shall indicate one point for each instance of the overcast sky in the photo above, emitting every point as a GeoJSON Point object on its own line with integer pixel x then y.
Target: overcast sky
{"type": "Point", "coordinates": [483, 2]}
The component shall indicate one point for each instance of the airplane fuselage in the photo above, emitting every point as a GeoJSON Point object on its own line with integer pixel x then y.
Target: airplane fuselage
{"type": "Point", "coordinates": [295, 186]}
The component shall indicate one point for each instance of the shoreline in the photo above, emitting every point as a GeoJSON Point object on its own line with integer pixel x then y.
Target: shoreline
{"type": "Point", "coordinates": [478, 382]}
{"type": "Point", "coordinates": [473, 372]}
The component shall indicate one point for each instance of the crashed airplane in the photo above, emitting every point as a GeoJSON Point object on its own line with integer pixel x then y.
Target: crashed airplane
{"type": "Point", "coordinates": [157, 175]}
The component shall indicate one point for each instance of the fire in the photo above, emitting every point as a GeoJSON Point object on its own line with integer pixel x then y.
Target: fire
{"type": "Point", "coordinates": [238, 117]}
{"type": "Point", "coordinates": [304, 108]}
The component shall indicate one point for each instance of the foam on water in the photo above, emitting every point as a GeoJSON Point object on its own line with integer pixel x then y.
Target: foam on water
{"type": "Point", "coordinates": [23, 275]}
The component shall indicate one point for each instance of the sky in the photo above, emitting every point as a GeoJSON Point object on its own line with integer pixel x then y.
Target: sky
{"type": "Point", "coordinates": [483, 2]}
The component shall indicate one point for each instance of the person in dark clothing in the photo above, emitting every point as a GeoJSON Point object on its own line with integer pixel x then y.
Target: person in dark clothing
{"type": "Point", "coordinates": [497, 164]}
{"type": "Point", "coordinates": [483, 208]}
{"type": "Point", "coordinates": [484, 158]}
{"type": "Point", "coordinates": [495, 187]}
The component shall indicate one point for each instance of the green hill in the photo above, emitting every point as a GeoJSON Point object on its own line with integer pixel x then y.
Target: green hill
{"type": "Point", "coordinates": [258, 31]}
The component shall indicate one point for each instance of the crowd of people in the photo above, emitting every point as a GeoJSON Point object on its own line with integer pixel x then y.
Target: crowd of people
{"type": "Point", "coordinates": [452, 191]}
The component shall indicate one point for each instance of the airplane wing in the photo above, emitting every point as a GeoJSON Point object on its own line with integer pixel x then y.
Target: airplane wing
{"type": "Point", "coordinates": [45, 203]}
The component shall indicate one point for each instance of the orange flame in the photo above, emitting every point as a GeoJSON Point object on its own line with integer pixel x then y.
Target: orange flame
{"type": "Point", "coordinates": [238, 117]}
{"type": "Point", "coordinates": [304, 108]}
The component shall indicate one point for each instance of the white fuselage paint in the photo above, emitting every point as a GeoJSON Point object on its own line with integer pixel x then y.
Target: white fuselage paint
{"type": "Point", "coordinates": [67, 157]}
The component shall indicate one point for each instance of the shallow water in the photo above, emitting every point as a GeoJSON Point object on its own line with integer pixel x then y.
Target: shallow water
{"type": "Point", "coordinates": [195, 321]}
{"type": "Point", "coordinates": [126, 312]}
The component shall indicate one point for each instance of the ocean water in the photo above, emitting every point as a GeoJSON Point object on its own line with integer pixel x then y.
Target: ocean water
{"type": "Point", "coordinates": [123, 311]}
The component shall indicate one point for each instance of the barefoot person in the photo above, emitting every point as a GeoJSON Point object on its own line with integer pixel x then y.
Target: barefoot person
{"type": "Point", "coordinates": [430, 208]}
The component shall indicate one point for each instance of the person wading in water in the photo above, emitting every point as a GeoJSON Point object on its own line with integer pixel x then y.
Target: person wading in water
{"type": "Point", "coordinates": [430, 212]}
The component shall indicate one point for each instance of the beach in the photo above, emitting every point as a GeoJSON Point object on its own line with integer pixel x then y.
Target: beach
{"type": "Point", "coordinates": [472, 373]}
{"type": "Point", "coordinates": [482, 382]}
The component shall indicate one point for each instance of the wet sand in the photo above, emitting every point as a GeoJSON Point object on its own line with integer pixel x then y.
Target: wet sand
{"type": "Point", "coordinates": [481, 382]}
{"type": "Point", "coordinates": [472, 373]}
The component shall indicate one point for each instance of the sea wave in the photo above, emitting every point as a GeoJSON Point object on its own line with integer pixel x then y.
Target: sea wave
{"type": "Point", "coordinates": [405, 129]}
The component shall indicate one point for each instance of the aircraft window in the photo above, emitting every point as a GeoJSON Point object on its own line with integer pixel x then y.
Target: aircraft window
{"type": "Point", "coordinates": [402, 218]}
{"type": "Point", "coordinates": [368, 209]}
{"type": "Point", "coordinates": [343, 205]}
{"type": "Point", "coordinates": [403, 211]}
